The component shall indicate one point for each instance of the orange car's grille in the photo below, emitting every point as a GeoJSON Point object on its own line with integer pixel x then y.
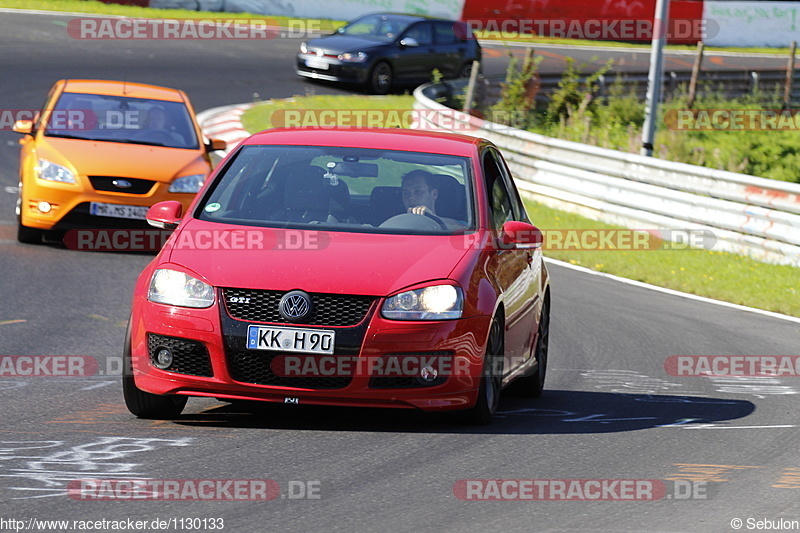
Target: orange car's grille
{"type": "Point", "coordinates": [120, 184]}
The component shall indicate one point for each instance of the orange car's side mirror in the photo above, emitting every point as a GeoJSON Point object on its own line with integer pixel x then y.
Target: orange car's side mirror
{"type": "Point", "coordinates": [23, 126]}
{"type": "Point", "coordinates": [216, 144]}
{"type": "Point", "coordinates": [165, 215]}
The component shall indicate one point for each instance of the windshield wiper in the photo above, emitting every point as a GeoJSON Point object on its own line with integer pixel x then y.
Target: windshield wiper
{"type": "Point", "coordinates": [67, 136]}
{"type": "Point", "coordinates": [130, 141]}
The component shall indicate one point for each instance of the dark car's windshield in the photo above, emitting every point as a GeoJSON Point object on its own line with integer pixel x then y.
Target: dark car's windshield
{"type": "Point", "coordinates": [343, 189]}
{"type": "Point", "coordinates": [378, 27]}
{"type": "Point", "coordinates": [123, 120]}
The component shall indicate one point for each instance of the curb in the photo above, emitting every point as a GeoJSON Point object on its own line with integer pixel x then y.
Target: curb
{"type": "Point", "coordinates": [225, 123]}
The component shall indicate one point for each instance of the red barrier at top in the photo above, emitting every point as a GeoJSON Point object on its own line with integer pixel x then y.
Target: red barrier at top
{"type": "Point", "coordinates": [609, 20]}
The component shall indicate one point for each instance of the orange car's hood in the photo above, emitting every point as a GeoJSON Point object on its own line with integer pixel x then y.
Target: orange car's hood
{"type": "Point", "coordinates": [91, 158]}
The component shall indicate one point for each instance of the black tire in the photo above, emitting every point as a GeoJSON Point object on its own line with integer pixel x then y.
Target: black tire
{"type": "Point", "coordinates": [143, 404]}
{"type": "Point", "coordinates": [491, 379]}
{"type": "Point", "coordinates": [28, 235]}
{"type": "Point", "coordinates": [532, 386]}
{"type": "Point", "coordinates": [380, 78]}
{"type": "Point", "coordinates": [465, 70]}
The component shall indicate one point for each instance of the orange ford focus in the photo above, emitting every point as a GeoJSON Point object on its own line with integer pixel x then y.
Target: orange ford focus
{"type": "Point", "coordinates": [101, 152]}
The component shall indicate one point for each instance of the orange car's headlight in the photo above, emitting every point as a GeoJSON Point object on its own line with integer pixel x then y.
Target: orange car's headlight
{"type": "Point", "coordinates": [47, 170]}
{"type": "Point", "coordinates": [190, 184]}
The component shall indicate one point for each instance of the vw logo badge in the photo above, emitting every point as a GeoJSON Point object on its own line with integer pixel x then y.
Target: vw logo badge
{"type": "Point", "coordinates": [295, 306]}
{"type": "Point", "coordinates": [122, 184]}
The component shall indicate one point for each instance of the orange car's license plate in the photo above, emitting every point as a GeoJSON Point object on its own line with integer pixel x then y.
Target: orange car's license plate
{"type": "Point", "coordinates": [118, 211]}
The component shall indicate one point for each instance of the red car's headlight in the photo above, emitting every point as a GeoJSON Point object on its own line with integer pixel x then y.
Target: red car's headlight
{"type": "Point", "coordinates": [438, 302]}
{"type": "Point", "coordinates": [172, 287]}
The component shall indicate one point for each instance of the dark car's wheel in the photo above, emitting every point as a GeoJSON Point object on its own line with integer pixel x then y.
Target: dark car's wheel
{"type": "Point", "coordinates": [141, 403]}
{"type": "Point", "coordinates": [532, 386]}
{"type": "Point", "coordinates": [380, 80]}
{"type": "Point", "coordinates": [465, 71]}
{"type": "Point", "coordinates": [491, 379]}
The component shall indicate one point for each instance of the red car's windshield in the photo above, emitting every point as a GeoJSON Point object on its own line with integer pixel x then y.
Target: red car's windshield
{"type": "Point", "coordinates": [343, 189]}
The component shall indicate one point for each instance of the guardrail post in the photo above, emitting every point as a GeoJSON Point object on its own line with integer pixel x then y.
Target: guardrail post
{"type": "Point", "coordinates": [654, 76]}
{"type": "Point", "coordinates": [473, 78]}
{"type": "Point", "coordinates": [787, 91]}
{"type": "Point", "coordinates": [698, 62]}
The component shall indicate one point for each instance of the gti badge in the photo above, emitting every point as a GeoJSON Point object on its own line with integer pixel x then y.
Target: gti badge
{"type": "Point", "coordinates": [295, 306]}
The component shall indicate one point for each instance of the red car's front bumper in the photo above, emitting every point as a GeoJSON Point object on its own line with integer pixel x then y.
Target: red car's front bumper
{"type": "Point", "coordinates": [230, 371]}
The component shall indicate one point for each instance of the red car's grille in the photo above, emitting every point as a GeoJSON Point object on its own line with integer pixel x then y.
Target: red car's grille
{"type": "Point", "coordinates": [329, 309]}
{"type": "Point", "coordinates": [256, 367]}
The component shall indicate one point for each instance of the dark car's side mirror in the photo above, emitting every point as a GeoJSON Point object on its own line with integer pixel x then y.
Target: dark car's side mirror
{"type": "Point", "coordinates": [521, 236]}
{"type": "Point", "coordinates": [409, 42]}
{"type": "Point", "coordinates": [215, 144]}
{"type": "Point", "coordinates": [165, 215]}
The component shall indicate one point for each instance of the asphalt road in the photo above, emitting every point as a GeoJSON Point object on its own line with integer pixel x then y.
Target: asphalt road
{"type": "Point", "coordinates": [610, 411]}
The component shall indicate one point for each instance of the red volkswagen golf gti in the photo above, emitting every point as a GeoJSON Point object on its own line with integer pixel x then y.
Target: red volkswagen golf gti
{"type": "Point", "coordinates": [384, 268]}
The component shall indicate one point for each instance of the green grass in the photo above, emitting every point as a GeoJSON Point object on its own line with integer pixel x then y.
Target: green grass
{"type": "Point", "coordinates": [95, 7]}
{"type": "Point", "coordinates": [261, 116]}
{"type": "Point", "coordinates": [718, 275]}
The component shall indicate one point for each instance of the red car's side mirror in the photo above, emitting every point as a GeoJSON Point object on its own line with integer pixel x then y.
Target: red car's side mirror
{"type": "Point", "coordinates": [165, 215]}
{"type": "Point", "coordinates": [521, 235]}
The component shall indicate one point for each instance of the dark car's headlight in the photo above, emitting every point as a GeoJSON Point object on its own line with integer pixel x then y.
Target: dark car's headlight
{"type": "Point", "coordinates": [172, 287]}
{"type": "Point", "coordinates": [353, 57]}
{"type": "Point", "coordinates": [438, 302]}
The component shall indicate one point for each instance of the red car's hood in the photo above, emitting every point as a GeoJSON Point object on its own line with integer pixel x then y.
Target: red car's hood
{"type": "Point", "coordinates": [321, 261]}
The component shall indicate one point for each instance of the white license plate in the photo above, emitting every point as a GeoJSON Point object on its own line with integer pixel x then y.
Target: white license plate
{"type": "Point", "coordinates": [290, 339]}
{"type": "Point", "coordinates": [316, 63]}
{"type": "Point", "coordinates": [118, 211]}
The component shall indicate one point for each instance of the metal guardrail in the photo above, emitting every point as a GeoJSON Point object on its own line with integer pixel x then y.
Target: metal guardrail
{"type": "Point", "coordinates": [747, 215]}
{"type": "Point", "coordinates": [730, 84]}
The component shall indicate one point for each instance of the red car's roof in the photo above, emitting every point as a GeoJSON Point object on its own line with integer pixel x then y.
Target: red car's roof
{"type": "Point", "coordinates": [382, 139]}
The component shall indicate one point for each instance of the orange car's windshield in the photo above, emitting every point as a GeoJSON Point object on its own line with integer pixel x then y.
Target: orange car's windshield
{"type": "Point", "coordinates": [123, 120]}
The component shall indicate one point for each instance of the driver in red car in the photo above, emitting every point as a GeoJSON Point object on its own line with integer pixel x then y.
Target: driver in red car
{"type": "Point", "coordinates": [419, 191]}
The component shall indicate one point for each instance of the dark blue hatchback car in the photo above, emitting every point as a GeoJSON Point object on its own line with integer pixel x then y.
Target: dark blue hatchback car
{"type": "Point", "coordinates": [385, 49]}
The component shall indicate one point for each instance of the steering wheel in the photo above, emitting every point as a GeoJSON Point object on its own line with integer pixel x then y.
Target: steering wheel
{"type": "Point", "coordinates": [437, 220]}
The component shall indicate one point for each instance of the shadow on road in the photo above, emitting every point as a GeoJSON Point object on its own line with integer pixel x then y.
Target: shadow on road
{"type": "Point", "coordinates": [556, 412]}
